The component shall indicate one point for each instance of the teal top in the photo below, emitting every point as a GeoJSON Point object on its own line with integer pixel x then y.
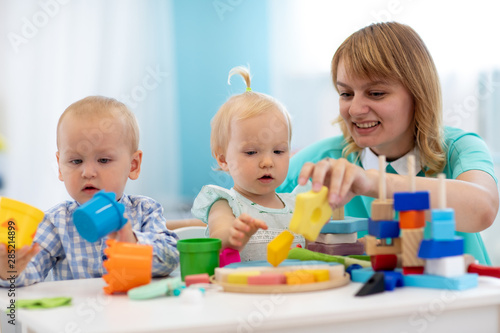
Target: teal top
{"type": "Point", "coordinates": [465, 151]}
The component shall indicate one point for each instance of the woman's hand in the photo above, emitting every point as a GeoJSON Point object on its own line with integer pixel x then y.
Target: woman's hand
{"type": "Point", "coordinates": [343, 179]}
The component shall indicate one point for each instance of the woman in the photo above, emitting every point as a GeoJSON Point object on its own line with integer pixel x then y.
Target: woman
{"type": "Point", "coordinates": [390, 104]}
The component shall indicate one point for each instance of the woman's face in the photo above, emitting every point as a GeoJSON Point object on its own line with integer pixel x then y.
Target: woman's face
{"type": "Point", "coordinates": [378, 114]}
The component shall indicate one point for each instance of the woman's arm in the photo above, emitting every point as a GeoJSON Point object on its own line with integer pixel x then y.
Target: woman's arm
{"type": "Point", "coordinates": [176, 224]}
{"type": "Point", "coordinates": [473, 196]}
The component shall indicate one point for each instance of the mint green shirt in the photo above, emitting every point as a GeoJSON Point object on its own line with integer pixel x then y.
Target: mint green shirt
{"type": "Point", "coordinates": [464, 151]}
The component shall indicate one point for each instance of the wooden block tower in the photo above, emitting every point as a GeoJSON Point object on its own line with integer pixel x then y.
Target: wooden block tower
{"type": "Point", "coordinates": [443, 251]}
{"type": "Point", "coordinates": [383, 243]}
{"type": "Point", "coordinates": [411, 207]}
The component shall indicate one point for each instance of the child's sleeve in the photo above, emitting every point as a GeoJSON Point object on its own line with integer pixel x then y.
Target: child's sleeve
{"type": "Point", "coordinates": [208, 195]}
{"type": "Point", "coordinates": [40, 265]}
{"type": "Point", "coordinates": [149, 226]}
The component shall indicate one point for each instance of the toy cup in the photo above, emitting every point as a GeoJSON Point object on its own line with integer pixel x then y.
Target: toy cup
{"type": "Point", "coordinates": [199, 255]}
{"type": "Point", "coordinates": [128, 265]}
{"type": "Point", "coordinates": [99, 216]}
{"type": "Point", "coordinates": [18, 222]}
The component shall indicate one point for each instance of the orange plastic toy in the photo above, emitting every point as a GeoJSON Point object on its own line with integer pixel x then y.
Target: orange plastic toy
{"type": "Point", "coordinates": [128, 265]}
{"type": "Point", "coordinates": [18, 222]}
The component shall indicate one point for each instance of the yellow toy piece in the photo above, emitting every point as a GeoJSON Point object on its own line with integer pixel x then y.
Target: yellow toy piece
{"type": "Point", "coordinates": [311, 213]}
{"type": "Point", "coordinates": [18, 222]}
{"type": "Point", "coordinates": [278, 248]}
{"type": "Point", "coordinates": [241, 277]}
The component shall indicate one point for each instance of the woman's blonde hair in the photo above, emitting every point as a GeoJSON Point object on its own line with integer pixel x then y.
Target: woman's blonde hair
{"type": "Point", "coordinates": [104, 106]}
{"type": "Point", "coordinates": [396, 52]}
{"type": "Point", "coordinates": [242, 106]}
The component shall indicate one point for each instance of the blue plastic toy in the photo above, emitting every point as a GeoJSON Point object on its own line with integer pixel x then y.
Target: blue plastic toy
{"type": "Point", "coordinates": [99, 216]}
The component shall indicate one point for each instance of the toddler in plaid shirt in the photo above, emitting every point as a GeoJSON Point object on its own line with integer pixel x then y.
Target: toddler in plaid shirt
{"type": "Point", "coordinates": [97, 142]}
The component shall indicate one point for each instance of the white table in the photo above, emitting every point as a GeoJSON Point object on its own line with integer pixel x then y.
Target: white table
{"type": "Point", "coordinates": [403, 310]}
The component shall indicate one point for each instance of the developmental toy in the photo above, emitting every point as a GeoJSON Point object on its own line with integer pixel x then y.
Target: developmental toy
{"type": "Point", "coordinates": [164, 287]}
{"type": "Point", "coordinates": [229, 256]}
{"type": "Point", "coordinates": [99, 216]}
{"type": "Point", "coordinates": [129, 265]}
{"type": "Point", "coordinates": [436, 262]}
{"type": "Point", "coordinates": [312, 211]}
{"type": "Point", "coordinates": [277, 249]}
{"type": "Point", "coordinates": [196, 278]}
{"type": "Point", "coordinates": [18, 223]}
{"type": "Point", "coordinates": [198, 255]}
{"type": "Point", "coordinates": [282, 279]}
{"type": "Point", "coordinates": [339, 237]}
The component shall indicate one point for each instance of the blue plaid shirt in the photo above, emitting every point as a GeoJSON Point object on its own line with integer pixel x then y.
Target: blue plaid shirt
{"type": "Point", "coordinates": [71, 257]}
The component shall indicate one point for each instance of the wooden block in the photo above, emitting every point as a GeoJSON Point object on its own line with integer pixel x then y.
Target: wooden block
{"type": "Point", "coordinates": [447, 266]}
{"type": "Point", "coordinates": [373, 248]}
{"type": "Point", "coordinates": [337, 249]}
{"type": "Point", "coordinates": [312, 211]}
{"type": "Point", "coordinates": [267, 279]}
{"type": "Point", "coordinates": [196, 278]}
{"type": "Point", "coordinates": [299, 277]}
{"type": "Point", "coordinates": [405, 201]}
{"type": "Point", "coordinates": [241, 277]}
{"type": "Point", "coordinates": [466, 281]}
{"type": "Point", "coordinates": [413, 270]}
{"type": "Point", "coordinates": [382, 210]}
{"type": "Point", "coordinates": [463, 282]}
{"type": "Point", "coordinates": [411, 239]}
{"type": "Point", "coordinates": [278, 248]}
{"type": "Point", "coordinates": [338, 214]}
{"type": "Point", "coordinates": [346, 226]}
{"type": "Point", "coordinates": [384, 262]}
{"type": "Point", "coordinates": [431, 249]}
{"type": "Point", "coordinates": [412, 219]}
{"type": "Point", "coordinates": [383, 229]}
{"type": "Point", "coordinates": [337, 238]}
{"type": "Point", "coordinates": [392, 280]}
{"type": "Point", "coordinates": [320, 275]}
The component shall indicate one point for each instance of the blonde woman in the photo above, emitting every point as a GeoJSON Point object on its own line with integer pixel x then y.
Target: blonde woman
{"type": "Point", "coordinates": [390, 104]}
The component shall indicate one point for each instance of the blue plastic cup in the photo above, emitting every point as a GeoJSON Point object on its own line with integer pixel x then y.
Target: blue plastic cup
{"type": "Point", "coordinates": [99, 216]}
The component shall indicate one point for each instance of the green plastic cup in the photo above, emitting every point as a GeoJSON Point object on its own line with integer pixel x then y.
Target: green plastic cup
{"type": "Point", "coordinates": [199, 255]}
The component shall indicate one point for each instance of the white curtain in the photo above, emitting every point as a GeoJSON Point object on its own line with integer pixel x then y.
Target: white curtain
{"type": "Point", "coordinates": [59, 51]}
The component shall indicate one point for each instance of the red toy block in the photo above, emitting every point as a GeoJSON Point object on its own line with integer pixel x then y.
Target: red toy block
{"type": "Point", "coordinates": [384, 262]}
{"type": "Point", "coordinates": [413, 270]}
{"type": "Point", "coordinates": [484, 270]}
{"type": "Point", "coordinates": [196, 278]}
{"type": "Point", "coordinates": [412, 219]}
{"type": "Point", "coordinates": [229, 256]}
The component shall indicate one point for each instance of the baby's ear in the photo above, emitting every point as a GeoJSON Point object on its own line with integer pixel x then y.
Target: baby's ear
{"type": "Point", "coordinates": [221, 161]}
{"type": "Point", "coordinates": [59, 167]}
{"type": "Point", "coordinates": [135, 165]}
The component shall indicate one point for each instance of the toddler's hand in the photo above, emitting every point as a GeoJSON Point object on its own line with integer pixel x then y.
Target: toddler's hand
{"type": "Point", "coordinates": [21, 260]}
{"type": "Point", "coordinates": [242, 229]}
{"type": "Point", "coordinates": [125, 234]}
